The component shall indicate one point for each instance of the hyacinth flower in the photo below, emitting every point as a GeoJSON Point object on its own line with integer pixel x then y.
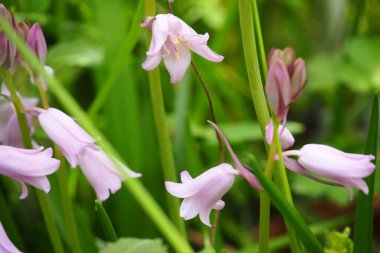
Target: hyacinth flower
{"type": "Point", "coordinates": [345, 169]}
{"type": "Point", "coordinates": [8, 51]}
{"type": "Point", "coordinates": [203, 193]}
{"type": "Point", "coordinates": [6, 246]}
{"type": "Point", "coordinates": [285, 82]}
{"type": "Point", "coordinates": [28, 166]}
{"type": "Point", "coordinates": [286, 137]}
{"type": "Point", "coordinates": [172, 40]}
{"type": "Point", "coordinates": [79, 148]}
{"type": "Point", "coordinates": [10, 133]}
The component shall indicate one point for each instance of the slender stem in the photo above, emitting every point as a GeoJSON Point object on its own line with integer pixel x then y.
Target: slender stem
{"type": "Point", "coordinates": [42, 198]}
{"type": "Point", "coordinates": [215, 226]}
{"type": "Point", "coordinates": [260, 40]}
{"type": "Point", "coordinates": [138, 191]}
{"type": "Point", "coordinates": [264, 222]}
{"type": "Point", "coordinates": [167, 159]}
{"type": "Point", "coordinates": [212, 112]}
{"type": "Point", "coordinates": [252, 65]}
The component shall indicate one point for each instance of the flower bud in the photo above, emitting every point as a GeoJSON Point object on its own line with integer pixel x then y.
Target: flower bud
{"type": "Point", "coordinates": [277, 89]}
{"type": "Point", "coordinates": [8, 51]}
{"type": "Point", "coordinates": [287, 56]}
{"type": "Point", "coordinates": [286, 137]}
{"type": "Point", "coordinates": [297, 78]}
{"type": "Point", "coordinates": [36, 41]}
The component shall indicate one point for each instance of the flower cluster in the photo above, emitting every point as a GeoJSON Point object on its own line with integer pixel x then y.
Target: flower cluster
{"type": "Point", "coordinates": [286, 80]}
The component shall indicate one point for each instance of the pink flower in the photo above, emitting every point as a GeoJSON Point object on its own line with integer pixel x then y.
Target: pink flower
{"type": "Point", "coordinates": [203, 193]}
{"type": "Point", "coordinates": [10, 133]}
{"type": "Point", "coordinates": [36, 41]}
{"type": "Point", "coordinates": [6, 246]}
{"type": "Point", "coordinates": [344, 168]}
{"type": "Point", "coordinates": [28, 166]}
{"type": "Point", "coordinates": [103, 173]}
{"type": "Point", "coordinates": [78, 147]}
{"type": "Point", "coordinates": [286, 137]}
{"type": "Point", "coordinates": [172, 40]}
{"type": "Point", "coordinates": [286, 80]}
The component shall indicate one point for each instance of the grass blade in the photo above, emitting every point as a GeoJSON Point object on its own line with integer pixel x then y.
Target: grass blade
{"type": "Point", "coordinates": [105, 222]}
{"type": "Point", "coordinates": [363, 234]}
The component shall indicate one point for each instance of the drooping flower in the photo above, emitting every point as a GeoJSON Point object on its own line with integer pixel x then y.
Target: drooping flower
{"type": "Point", "coordinates": [286, 137]}
{"type": "Point", "coordinates": [6, 246]}
{"type": "Point", "coordinates": [104, 174]}
{"type": "Point", "coordinates": [10, 133]}
{"type": "Point", "coordinates": [346, 169]}
{"type": "Point", "coordinates": [28, 166]}
{"type": "Point", "coordinates": [203, 193]}
{"type": "Point", "coordinates": [172, 40]}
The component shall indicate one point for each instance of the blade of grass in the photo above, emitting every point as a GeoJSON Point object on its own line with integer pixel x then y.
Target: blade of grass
{"type": "Point", "coordinates": [363, 234]}
{"type": "Point", "coordinates": [105, 222]}
{"type": "Point", "coordinates": [290, 214]}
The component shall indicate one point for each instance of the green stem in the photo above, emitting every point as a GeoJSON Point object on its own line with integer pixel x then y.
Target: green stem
{"type": "Point", "coordinates": [260, 41]}
{"type": "Point", "coordinates": [105, 222]}
{"type": "Point", "coordinates": [152, 209]}
{"type": "Point", "coordinates": [42, 198]}
{"type": "Point", "coordinates": [264, 223]}
{"type": "Point", "coordinates": [167, 159]}
{"type": "Point", "coordinates": [252, 65]}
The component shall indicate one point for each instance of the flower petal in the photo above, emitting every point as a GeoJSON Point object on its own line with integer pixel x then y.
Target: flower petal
{"type": "Point", "coordinates": [177, 63]}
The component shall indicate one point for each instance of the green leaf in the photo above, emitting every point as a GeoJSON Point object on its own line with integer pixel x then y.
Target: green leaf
{"type": "Point", "coordinates": [105, 222]}
{"type": "Point", "coordinates": [135, 245]}
{"type": "Point", "coordinates": [363, 234]}
{"type": "Point", "coordinates": [291, 215]}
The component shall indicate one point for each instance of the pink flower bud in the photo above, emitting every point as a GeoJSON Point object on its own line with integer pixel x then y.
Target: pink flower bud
{"type": "Point", "coordinates": [203, 193]}
{"type": "Point", "coordinates": [287, 56]}
{"type": "Point", "coordinates": [344, 168]}
{"type": "Point", "coordinates": [6, 245]}
{"type": "Point", "coordinates": [172, 40]}
{"type": "Point", "coordinates": [8, 51]}
{"type": "Point", "coordinates": [277, 89]}
{"type": "Point", "coordinates": [28, 166]}
{"type": "Point", "coordinates": [36, 41]}
{"type": "Point", "coordinates": [286, 137]}
{"type": "Point", "coordinates": [297, 78]}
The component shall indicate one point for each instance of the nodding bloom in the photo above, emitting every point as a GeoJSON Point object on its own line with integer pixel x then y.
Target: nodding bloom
{"type": "Point", "coordinates": [342, 168]}
{"type": "Point", "coordinates": [286, 80]}
{"type": "Point", "coordinates": [286, 137]}
{"type": "Point", "coordinates": [10, 133]}
{"type": "Point", "coordinates": [172, 40]}
{"type": "Point", "coordinates": [6, 246]}
{"type": "Point", "coordinates": [203, 193]}
{"type": "Point", "coordinates": [79, 148]}
{"type": "Point", "coordinates": [28, 166]}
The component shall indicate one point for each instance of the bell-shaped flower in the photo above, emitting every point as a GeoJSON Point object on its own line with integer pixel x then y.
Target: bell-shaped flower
{"type": "Point", "coordinates": [172, 40]}
{"type": "Point", "coordinates": [66, 133]}
{"type": "Point", "coordinates": [6, 246]}
{"type": "Point", "coordinates": [78, 147]}
{"type": "Point", "coordinates": [203, 193]}
{"type": "Point", "coordinates": [28, 166]}
{"type": "Point", "coordinates": [103, 173]}
{"type": "Point", "coordinates": [346, 169]}
{"type": "Point", "coordinates": [277, 89]}
{"type": "Point", "coordinates": [286, 137]}
{"type": "Point", "coordinates": [10, 133]}
{"type": "Point", "coordinates": [242, 171]}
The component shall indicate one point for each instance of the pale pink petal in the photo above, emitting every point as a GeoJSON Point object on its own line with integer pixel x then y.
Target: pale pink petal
{"type": "Point", "coordinates": [286, 137]}
{"type": "Point", "coordinates": [151, 62]}
{"type": "Point", "coordinates": [219, 205]}
{"type": "Point", "coordinates": [185, 177]}
{"type": "Point", "coordinates": [204, 215]}
{"type": "Point", "coordinates": [160, 33]}
{"type": "Point", "coordinates": [177, 63]}
{"type": "Point", "coordinates": [6, 246]}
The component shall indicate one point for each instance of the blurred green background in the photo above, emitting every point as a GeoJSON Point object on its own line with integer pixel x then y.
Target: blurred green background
{"type": "Point", "coordinates": [89, 41]}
